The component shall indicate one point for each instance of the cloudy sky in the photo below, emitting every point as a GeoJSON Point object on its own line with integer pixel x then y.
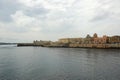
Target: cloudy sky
{"type": "Point", "coordinates": [28, 20]}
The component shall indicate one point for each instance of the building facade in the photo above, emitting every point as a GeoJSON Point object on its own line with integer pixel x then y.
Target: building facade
{"type": "Point", "coordinates": [114, 39]}
{"type": "Point", "coordinates": [70, 40]}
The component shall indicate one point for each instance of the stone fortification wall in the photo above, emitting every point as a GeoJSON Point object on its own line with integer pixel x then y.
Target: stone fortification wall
{"type": "Point", "coordinates": [95, 45]}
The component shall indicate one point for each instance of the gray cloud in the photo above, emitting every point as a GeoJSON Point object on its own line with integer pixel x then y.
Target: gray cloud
{"type": "Point", "coordinates": [36, 11]}
{"type": "Point", "coordinates": [101, 15]}
{"type": "Point", "coordinates": [107, 9]}
{"type": "Point", "coordinates": [8, 7]}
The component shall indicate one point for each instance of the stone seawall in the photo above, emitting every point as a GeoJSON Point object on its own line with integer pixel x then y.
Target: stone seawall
{"type": "Point", "coordinates": [74, 45]}
{"type": "Point", "coordinates": [30, 44]}
{"type": "Point", "coordinates": [25, 44]}
{"type": "Point", "coordinates": [95, 45]}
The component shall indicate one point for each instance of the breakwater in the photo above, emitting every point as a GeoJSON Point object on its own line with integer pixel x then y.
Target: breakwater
{"type": "Point", "coordinates": [24, 44]}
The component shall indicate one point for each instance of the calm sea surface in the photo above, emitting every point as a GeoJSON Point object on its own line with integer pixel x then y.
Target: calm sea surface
{"type": "Point", "coordinates": [37, 63]}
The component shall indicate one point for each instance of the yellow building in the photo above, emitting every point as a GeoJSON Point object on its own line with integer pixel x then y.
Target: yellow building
{"type": "Point", "coordinates": [70, 40]}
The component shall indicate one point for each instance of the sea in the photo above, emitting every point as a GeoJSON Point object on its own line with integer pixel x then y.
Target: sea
{"type": "Point", "coordinates": [43, 63]}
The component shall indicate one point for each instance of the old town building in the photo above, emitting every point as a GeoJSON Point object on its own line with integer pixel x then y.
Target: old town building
{"type": "Point", "coordinates": [87, 40]}
{"type": "Point", "coordinates": [92, 42]}
{"type": "Point", "coordinates": [70, 40]}
{"type": "Point", "coordinates": [114, 39]}
{"type": "Point", "coordinates": [100, 40]}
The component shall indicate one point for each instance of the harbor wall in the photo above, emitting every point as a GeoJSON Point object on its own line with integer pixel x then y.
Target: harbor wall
{"type": "Point", "coordinates": [95, 45]}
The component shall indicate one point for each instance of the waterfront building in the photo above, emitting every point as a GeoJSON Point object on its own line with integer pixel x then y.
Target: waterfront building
{"type": "Point", "coordinates": [70, 40]}
{"type": "Point", "coordinates": [41, 42]}
{"type": "Point", "coordinates": [94, 41]}
{"type": "Point", "coordinates": [64, 40]}
{"type": "Point", "coordinates": [114, 39]}
{"type": "Point", "coordinates": [87, 40]}
{"type": "Point", "coordinates": [95, 35]}
{"type": "Point", "coordinates": [100, 40]}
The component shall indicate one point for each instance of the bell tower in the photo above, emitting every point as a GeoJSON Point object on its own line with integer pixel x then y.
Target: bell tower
{"type": "Point", "coordinates": [95, 35]}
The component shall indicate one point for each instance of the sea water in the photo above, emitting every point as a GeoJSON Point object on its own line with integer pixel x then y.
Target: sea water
{"type": "Point", "coordinates": [41, 63]}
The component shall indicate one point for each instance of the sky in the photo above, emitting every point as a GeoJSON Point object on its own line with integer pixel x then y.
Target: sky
{"type": "Point", "coordinates": [28, 20]}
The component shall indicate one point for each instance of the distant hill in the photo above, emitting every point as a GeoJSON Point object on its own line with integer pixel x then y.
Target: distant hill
{"type": "Point", "coordinates": [3, 43]}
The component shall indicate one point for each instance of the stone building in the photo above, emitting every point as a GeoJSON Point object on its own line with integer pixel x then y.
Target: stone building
{"type": "Point", "coordinates": [114, 39]}
{"type": "Point", "coordinates": [95, 35]}
{"type": "Point", "coordinates": [70, 40]}
{"type": "Point", "coordinates": [64, 40]}
{"type": "Point", "coordinates": [87, 40]}
{"type": "Point", "coordinates": [41, 43]}
{"type": "Point", "coordinates": [100, 40]}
